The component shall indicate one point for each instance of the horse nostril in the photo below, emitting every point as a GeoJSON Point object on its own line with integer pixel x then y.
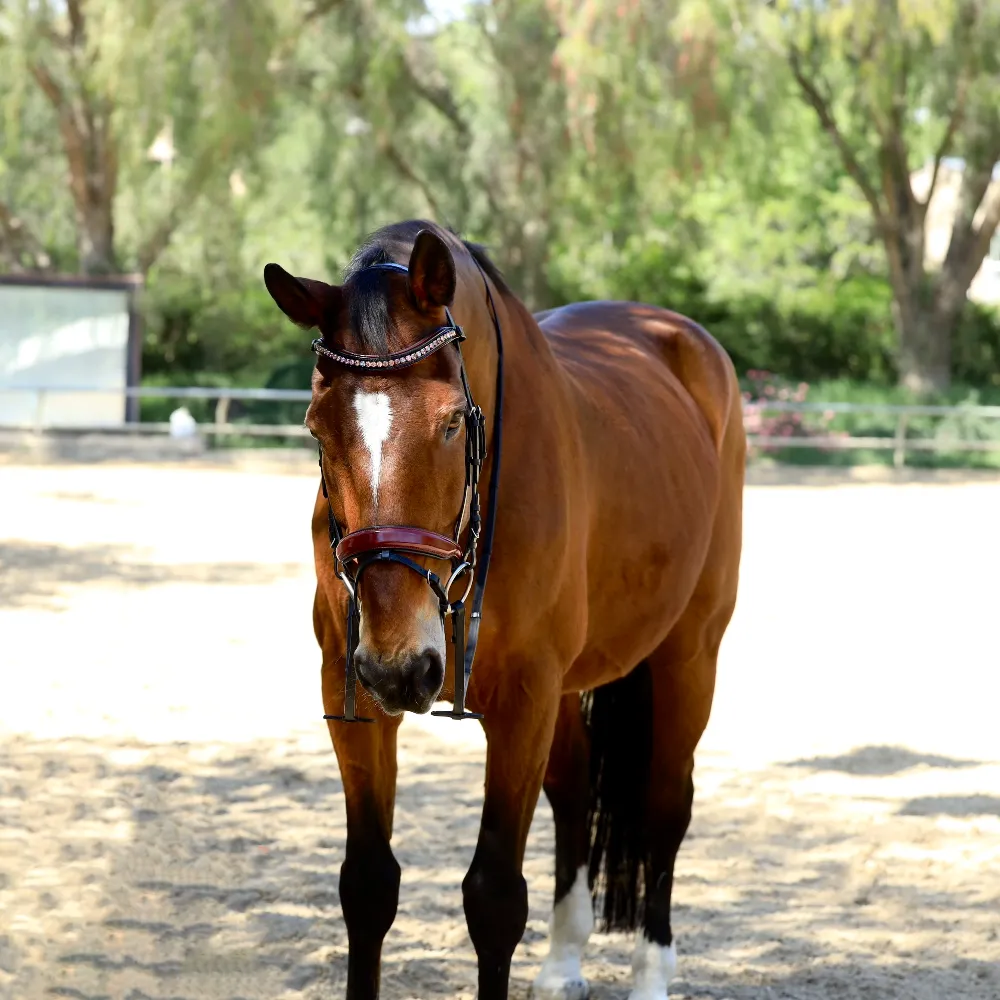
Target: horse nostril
{"type": "Point", "coordinates": [428, 674]}
{"type": "Point", "coordinates": [368, 670]}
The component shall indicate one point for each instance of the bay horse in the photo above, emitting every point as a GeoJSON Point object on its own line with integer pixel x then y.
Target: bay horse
{"type": "Point", "coordinates": [610, 522]}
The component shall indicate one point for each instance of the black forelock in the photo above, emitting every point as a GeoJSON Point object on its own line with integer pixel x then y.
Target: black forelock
{"type": "Point", "coordinates": [368, 297]}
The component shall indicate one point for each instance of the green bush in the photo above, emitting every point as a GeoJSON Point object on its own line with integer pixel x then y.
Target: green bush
{"type": "Point", "coordinates": [198, 335]}
{"type": "Point", "coordinates": [839, 329]}
{"type": "Point", "coordinates": [843, 330]}
{"type": "Point", "coordinates": [976, 347]}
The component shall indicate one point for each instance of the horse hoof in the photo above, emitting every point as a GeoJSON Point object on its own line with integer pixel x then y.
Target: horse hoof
{"type": "Point", "coordinates": [544, 988]}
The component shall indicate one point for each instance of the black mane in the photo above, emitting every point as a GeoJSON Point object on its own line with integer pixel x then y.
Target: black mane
{"type": "Point", "coordinates": [369, 290]}
{"type": "Point", "coordinates": [490, 269]}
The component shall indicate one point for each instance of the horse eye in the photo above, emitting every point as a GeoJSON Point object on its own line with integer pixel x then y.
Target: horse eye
{"type": "Point", "coordinates": [454, 424]}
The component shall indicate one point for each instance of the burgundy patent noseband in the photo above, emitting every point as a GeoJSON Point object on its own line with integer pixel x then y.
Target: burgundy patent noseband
{"type": "Point", "coordinates": [353, 553]}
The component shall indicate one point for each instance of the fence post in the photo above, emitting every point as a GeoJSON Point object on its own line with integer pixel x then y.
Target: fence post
{"type": "Point", "coordinates": [39, 409]}
{"type": "Point", "coordinates": [899, 451]}
{"type": "Point", "coordinates": [221, 418]}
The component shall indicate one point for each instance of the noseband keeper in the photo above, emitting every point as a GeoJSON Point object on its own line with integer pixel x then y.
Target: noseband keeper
{"type": "Point", "coordinates": [399, 538]}
{"type": "Point", "coordinates": [353, 553]}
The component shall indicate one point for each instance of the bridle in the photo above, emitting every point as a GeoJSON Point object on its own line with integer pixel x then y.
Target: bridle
{"type": "Point", "coordinates": [356, 551]}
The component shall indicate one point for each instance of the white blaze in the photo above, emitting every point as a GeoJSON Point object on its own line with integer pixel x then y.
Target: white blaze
{"type": "Point", "coordinates": [653, 966]}
{"type": "Point", "coordinates": [572, 920]}
{"type": "Point", "coordinates": [374, 413]}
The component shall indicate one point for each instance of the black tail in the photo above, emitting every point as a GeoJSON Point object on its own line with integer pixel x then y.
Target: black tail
{"type": "Point", "coordinates": [619, 719]}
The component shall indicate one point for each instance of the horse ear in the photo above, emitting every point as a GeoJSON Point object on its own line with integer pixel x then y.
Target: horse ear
{"type": "Point", "coordinates": [303, 300]}
{"type": "Point", "coordinates": [432, 271]}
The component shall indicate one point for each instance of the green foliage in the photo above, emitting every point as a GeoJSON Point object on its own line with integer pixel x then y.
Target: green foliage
{"type": "Point", "coordinates": [641, 149]}
{"type": "Point", "coordinates": [897, 86]}
{"type": "Point", "coordinates": [197, 335]}
{"type": "Point", "coordinates": [976, 350]}
{"type": "Point", "coordinates": [843, 328]}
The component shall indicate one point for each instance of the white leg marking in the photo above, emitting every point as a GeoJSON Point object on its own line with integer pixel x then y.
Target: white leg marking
{"type": "Point", "coordinates": [374, 413]}
{"type": "Point", "coordinates": [561, 976]}
{"type": "Point", "coordinates": [653, 966]}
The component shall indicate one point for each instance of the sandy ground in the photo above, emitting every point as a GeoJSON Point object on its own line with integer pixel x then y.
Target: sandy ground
{"type": "Point", "coordinates": [171, 818]}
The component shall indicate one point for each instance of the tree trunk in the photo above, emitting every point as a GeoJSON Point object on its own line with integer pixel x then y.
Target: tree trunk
{"type": "Point", "coordinates": [923, 325]}
{"type": "Point", "coordinates": [92, 159]}
{"type": "Point", "coordinates": [926, 307]}
{"type": "Point", "coordinates": [925, 337]}
{"type": "Point", "coordinates": [96, 234]}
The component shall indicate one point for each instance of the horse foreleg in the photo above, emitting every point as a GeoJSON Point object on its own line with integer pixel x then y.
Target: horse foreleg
{"type": "Point", "coordinates": [566, 787]}
{"type": "Point", "coordinates": [369, 876]}
{"type": "Point", "coordinates": [494, 891]}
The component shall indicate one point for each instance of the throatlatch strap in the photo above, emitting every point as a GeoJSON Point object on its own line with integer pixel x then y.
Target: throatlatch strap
{"type": "Point", "coordinates": [491, 513]}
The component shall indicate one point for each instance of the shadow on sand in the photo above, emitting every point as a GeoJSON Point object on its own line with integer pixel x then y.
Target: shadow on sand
{"type": "Point", "coordinates": [183, 872]}
{"type": "Point", "coordinates": [880, 761]}
{"type": "Point", "coordinates": [32, 574]}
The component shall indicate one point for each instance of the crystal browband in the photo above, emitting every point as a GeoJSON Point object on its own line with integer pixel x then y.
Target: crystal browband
{"type": "Point", "coordinates": [401, 359]}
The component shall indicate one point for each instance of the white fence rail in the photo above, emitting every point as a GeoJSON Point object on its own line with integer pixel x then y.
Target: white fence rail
{"type": "Point", "coordinates": [221, 426]}
{"type": "Point", "coordinates": [899, 443]}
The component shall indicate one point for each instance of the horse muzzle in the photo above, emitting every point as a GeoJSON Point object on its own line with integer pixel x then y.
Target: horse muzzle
{"type": "Point", "coordinates": [408, 684]}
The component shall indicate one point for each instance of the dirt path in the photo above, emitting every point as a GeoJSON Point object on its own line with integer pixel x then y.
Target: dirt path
{"type": "Point", "coordinates": [171, 823]}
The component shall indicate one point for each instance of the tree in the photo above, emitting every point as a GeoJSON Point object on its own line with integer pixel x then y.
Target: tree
{"type": "Point", "coordinates": [148, 104]}
{"type": "Point", "coordinates": [893, 83]}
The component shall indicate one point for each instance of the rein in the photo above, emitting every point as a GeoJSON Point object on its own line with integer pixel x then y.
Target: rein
{"type": "Point", "coordinates": [354, 552]}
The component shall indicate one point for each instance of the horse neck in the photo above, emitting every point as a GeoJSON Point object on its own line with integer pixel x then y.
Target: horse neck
{"type": "Point", "coordinates": [523, 340]}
